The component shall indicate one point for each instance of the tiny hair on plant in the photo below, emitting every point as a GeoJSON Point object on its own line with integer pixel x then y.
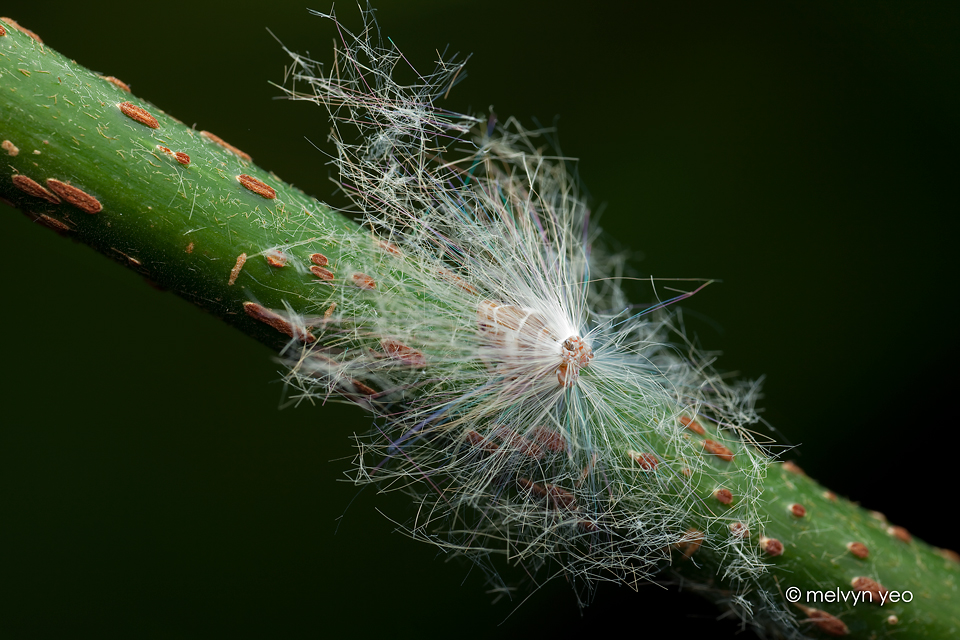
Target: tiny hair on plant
{"type": "Point", "coordinates": [554, 402]}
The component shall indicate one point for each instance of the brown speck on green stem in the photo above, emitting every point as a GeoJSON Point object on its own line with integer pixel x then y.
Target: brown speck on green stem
{"type": "Point", "coordinates": [226, 145]}
{"type": "Point", "coordinates": [320, 272]}
{"type": "Point", "coordinates": [258, 187]}
{"type": "Point", "coordinates": [717, 449]}
{"type": "Point", "coordinates": [75, 196]}
{"type": "Point", "coordinates": [363, 281]}
{"type": "Point", "coordinates": [118, 83]}
{"type": "Point", "coordinates": [13, 23]}
{"type": "Point", "coordinates": [32, 188]}
{"type": "Point", "coordinates": [236, 268]}
{"type": "Point", "coordinates": [724, 496]}
{"type": "Point", "coordinates": [878, 592]}
{"type": "Point", "coordinates": [49, 222]}
{"type": "Point", "coordinates": [139, 114]}
{"type": "Point", "coordinates": [771, 546]}
{"type": "Point", "coordinates": [692, 425]}
{"type": "Point", "coordinates": [828, 623]}
{"type": "Point", "coordinates": [899, 533]}
{"type": "Point", "coordinates": [276, 259]}
{"type": "Point", "coordinates": [273, 319]}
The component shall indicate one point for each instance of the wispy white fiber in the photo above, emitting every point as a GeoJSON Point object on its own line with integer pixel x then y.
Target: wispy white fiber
{"type": "Point", "coordinates": [528, 408]}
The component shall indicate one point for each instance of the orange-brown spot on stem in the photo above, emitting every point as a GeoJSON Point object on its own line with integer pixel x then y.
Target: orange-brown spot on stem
{"type": "Point", "coordinates": [515, 442]}
{"type": "Point", "coordinates": [388, 247]}
{"type": "Point", "coordinates": [718, 450]}
{"type": "Point", "coordinates": [477, 440]}
{"type": "Point", "coordinates": [792, 467]}
{"type": "Point", "coordinates": [278, 322]}
{"type": "Point", "coordinates": [692, 424]}
{"type": "Point", "coordinates": [828, 623]}
{"type": "Point", "coordinates": [329, 312]}
{"type": "Point", "coordinates": [556, 497]}
{"type": "Point", "coordinates": [236, 270]}
{"type": "Point", "coordinates": [724, 496]}
{"type": "Point", "coordinates": [3, 31]}
{"type": "Point", "coordinates": [325, 364]}
{"type": "Point", "coordinates": [139, 114]}
{"type": "Point", "coordinates": [739, 530]}
{"type": "Point", "coordinates": [363, 281]}
{"type": "Point", "coordinates": [34, 189]}
{"type": "Point", "coordinates": [899, 533]}
{"type": "Point", "coordinates": [646, 461]}
{"type": "Point", "coordinates": [77, 197]}
{"type": "Point", "coordinates": [858, 549]}
{"type": "Point", "coordinates": [407, 355]}
{"type": "Point", "coordinates": [588, 526]}
{"type": "Point", "coordinates": [320, 272]}
{"type": "Point", "coordinates": [275, 258]}
{"type": "Point", "coordinates": [131, 261]}
{"type": "Point", "coordinates": [949, 554]}
{"type": "Point", "coordinates": [877, 591]}
{"type": "Point", "coordinates": [51, 223]}
{"type": "Point", "coordinates": [189, 248]}
{"type": "Point", "coordinates": [262, 189]}
{"type": "Point", "coordinates": [830, 495]}
{"type": "Point", "coordinates": [226, 145]}
{"type": "Point", "coordinates": [362, 389]}
{"type": "Point", "coordinates": [179, 156]}
{"type": "Point", "coordinates": [10, 148]}
{"type": "Point", "coordinates": [13, 23]}
{"type": "Point", "coordinates": [797, 510]}
{"type": "Point", "coordinates": [561, 498]}
{"type": "Point", "coordinates": [771, 546]}
{"type": "Point", "coordinates": [449, 276]}
{"type": "Point", "coordinates": [690, 543]}
{"type": "Point", "coordinates": [117, 82]}
{"type": "Point", "coordinates": [549, 439]}
{"type": "Point", "coordinates": [319, 259]}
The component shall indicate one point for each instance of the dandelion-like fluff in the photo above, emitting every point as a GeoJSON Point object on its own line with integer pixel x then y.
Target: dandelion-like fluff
{"type": "Point", "coordinates": [531, 411]}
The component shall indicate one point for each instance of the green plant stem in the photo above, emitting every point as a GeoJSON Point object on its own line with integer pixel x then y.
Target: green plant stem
{"type": "Point", "coordinates": [182, 227]}
{"type": "Point", "coordinates": [186, 226]}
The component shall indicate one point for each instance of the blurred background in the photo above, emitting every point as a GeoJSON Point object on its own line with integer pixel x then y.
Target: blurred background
{"type": "Point", "coordinates": [805, 153]}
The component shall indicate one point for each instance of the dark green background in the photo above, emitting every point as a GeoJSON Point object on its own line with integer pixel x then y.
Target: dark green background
{"type": "Point", "coordinates": [803, 152]}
